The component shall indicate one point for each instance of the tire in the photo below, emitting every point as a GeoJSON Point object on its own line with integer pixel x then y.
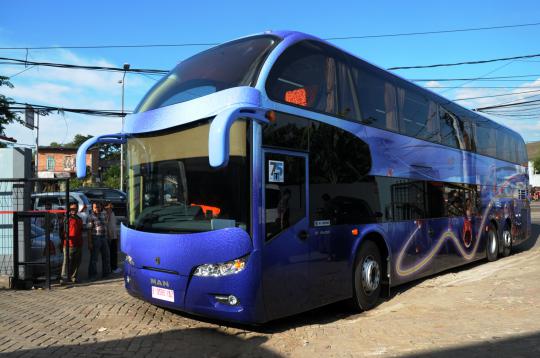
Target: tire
{"type": "Point", "coordinates": [492, 244]}
{"type": "Point", "coordinates": [506, 242]}
{"type": "Point", "coordinates": [367, 277]}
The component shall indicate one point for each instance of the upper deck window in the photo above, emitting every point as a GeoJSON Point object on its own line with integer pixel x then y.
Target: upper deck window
{"type": "Point", "coordinates": [312, 75]}
{"type": "Point", "coordinates": [232, 64]}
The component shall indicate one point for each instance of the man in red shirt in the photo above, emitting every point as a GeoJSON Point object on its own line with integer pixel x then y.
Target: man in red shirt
{"type": "Point", "coordinates": [75, 241]}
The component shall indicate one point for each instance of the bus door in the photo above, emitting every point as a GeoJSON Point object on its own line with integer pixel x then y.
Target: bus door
{"type": "Point", "coordinates": [286, 224]}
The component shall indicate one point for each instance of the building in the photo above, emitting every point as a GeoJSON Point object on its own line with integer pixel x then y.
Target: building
{"type": "Point", "coordinates": [60, 162]}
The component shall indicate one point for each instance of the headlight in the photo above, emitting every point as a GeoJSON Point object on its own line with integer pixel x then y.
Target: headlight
{"type": "Point", "coordinates": [129, 260]}
{"type": "Point", "coordinates": [221, 269]}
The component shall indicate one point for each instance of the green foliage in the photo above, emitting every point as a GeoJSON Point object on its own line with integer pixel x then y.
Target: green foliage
{"type": "Point", "coordinates": [75, 182]}
{"type": "Point", "coordinates": [536, 164]}
{"type": "Point", "coordinates": [6, 115]}
{"type": "Point", "coordinates": [111, 177]}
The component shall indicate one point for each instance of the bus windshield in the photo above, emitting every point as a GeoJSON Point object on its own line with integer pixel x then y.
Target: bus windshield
{"type": "Point", "coordinates": [232, 64]}
{"type": "Point", "coordinates": [172, 188]}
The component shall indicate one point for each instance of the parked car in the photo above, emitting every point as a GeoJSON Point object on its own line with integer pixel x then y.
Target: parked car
{"type": "Point", "coordinates": [103, 195]}
{"type": "Point", "coordinates": [57, 200]}
{"type": "Point", "coordinates": [38, 250]}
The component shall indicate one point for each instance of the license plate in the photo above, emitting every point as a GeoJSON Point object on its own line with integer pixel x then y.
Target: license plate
{"type": "Point", "coordinates": [162, 294]}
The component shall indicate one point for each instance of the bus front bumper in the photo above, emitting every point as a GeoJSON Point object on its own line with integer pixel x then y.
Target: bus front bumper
{"type": "Point", "coordinates": [231, 298]}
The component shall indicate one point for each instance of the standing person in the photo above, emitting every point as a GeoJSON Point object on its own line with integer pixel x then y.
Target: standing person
{"type": "Point", "coordinates": [75, 242]}
{"type": "Point", "coordinates": [112, 235]}
{"type": "Point", "coordinates": [97, 242]}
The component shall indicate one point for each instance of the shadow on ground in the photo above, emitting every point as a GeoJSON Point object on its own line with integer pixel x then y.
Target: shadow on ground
{"type": "Point", "coordinates": [519, 346]}
{"type": "Point", "coordinates": [196, 342]}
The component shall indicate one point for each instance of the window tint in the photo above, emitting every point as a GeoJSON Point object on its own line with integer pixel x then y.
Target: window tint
{"type": "Point", "coordinates": [449, 128]}
{"type": "Point", "coordinates": [229, 65]}
{"type": "Point", "coordinates": [306, 75]}
{"type": "Point", "coordinates": [287, 131]}
{"type": "Point", "coordinates": [408, 200]}
{"type": "Point", "coordinates": [469, 138]}
{"type": "Point", "coordinates": [285, 197]}
{"type": "Point", "coordinates": [376, 98]}
{"type": "Point", "coordinates": [486, 138]}
{"type": "Point", "coordinates": [461, 200]}
{"type": "Point", "coordinates": [503, 144]}
{"type": "Point", "coordinates": [341, 192]}
{"type": "Point", "coordinates": [418, 115]}
{"type": "Point", "coordinates": [522, 150]}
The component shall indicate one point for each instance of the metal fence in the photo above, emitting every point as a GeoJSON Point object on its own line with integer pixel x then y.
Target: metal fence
{"type": "Point", "coordinates": [31, 212]}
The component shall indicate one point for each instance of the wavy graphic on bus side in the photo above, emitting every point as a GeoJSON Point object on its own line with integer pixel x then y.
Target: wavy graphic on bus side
{"type": "Point", "coordinates": [447, 235]}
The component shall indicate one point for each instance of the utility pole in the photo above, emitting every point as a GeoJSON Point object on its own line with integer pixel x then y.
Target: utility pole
{"type": "Point", "coordinates": [37, 144]}
{"type": "Point", "coordinates": [126, 68]}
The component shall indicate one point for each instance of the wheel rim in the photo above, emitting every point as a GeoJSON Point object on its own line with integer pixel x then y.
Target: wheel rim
{"type": "Point", "coordinates": [492, 243]}
{"type": "Point", "coordinates": [507, 238]}
{"type": "Point", "coordinates": [371, 275]}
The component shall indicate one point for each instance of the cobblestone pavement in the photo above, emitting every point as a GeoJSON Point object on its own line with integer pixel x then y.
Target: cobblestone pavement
{"type": "Point", "coordinates": [487, 309]}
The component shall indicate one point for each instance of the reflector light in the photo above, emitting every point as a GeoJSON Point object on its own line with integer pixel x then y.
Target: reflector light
{"type": "Point", "coordinates": [271, 116]}
{"type": "Point", "coordinates": [354, 232]}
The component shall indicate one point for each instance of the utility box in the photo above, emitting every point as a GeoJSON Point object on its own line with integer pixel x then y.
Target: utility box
{"type": "Point", "coordinates": [15, 163]}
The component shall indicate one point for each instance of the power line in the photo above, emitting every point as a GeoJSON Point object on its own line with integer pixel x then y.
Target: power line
{"type": "Point", "coordinates": [495, 78]}
{"type": "Point", "coordinates": [419, 33]}
{"type": "Point", "coordinates": [432, 32]}
{"type": "Point", "coordinates": [507, 105]}
{"type": "Point", "coordinates": [464, 63]}
{"type": "Point", "coordinates": [496, 95]}
{"type": "Point", "coordinates": [96, 112]}
{"type": "Point", "coordinates": [16, 61]}
{"type": "Point", "coordinates": [522, 87]}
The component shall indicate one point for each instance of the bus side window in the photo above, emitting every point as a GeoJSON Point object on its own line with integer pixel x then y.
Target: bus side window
{"type": "Point", "coordinates": [486, 138]}
{"type": "Point", "coordinates": [376, 98]}
{"type": "Point", "coordinates": [418, 115]}
{"type": "Point", "coordinates": [449, 128]}
{"type": "Point", "coordinates": [305, 75]}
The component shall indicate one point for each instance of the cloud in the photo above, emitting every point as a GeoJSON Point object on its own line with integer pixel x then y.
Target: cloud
{"type": "Point", "coordinates": [71, 88]}
{"type": "Point", "coordinates": [433, 84]}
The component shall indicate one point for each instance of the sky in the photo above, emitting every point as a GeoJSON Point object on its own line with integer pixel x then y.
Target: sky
{"type": "Point", "coordinates": [85, 23]}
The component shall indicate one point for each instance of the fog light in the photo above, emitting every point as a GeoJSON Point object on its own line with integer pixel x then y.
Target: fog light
{"type": "Point", "coordinates": [230, 300]}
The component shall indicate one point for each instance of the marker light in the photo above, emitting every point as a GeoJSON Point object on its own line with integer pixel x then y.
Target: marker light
{"type": "Point", "coordinates": [354, 232]}
{"type": "Point", "coordinates": [270, 115]}
{"type": "Point", "coordinates": [221, 269]}
{"type": "Point", "coordinates": [129, 260]}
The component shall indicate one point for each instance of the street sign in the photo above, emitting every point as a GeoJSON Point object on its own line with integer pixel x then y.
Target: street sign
{"type": "Point", "coordinates": [29, 117]}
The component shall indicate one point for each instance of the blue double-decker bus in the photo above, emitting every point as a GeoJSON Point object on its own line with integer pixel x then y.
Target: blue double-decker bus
{"type": "Point", "coordinates": [277, 173]}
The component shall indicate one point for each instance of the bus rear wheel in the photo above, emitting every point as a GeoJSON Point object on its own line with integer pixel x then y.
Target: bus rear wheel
{"type": "Point", "coordinates": [492, 244]}
{"type": "Point", "coordinates": [367, 277]}
{"type": "Point", "coordinates": [506, 241]}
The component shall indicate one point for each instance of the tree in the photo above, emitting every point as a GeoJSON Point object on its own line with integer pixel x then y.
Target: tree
{"type": "Point", "coordinates": [111, 177]}
{"type": "Point", "coordinates": [6, 115]}
{"type": "Point", "coordinates": [536, 165]}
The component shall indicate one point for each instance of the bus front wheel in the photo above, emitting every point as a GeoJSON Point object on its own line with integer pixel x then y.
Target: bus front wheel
{"type": "Point", "coordinates": [367, 277]}
{"type": "Point", "coordinates": [492, 244]}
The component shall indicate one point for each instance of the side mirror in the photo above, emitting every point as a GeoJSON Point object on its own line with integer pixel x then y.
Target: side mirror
{"type": "Point", "coordinates": [218, 140]}
{"type": "Point", "coordinates": [80, 163]}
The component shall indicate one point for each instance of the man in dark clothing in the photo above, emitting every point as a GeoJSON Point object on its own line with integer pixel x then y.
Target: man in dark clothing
{"type": "Point", "coordinates": [75, 242]}
{"type": "Point", "coordinates": [97, 242]}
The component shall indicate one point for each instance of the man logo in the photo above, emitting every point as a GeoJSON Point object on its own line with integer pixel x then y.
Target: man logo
{"type": "Point", "coordinates": [157, 260]}
{"type": "Point", "coordinates": [161, 283]}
